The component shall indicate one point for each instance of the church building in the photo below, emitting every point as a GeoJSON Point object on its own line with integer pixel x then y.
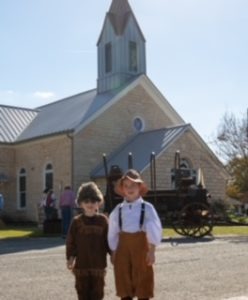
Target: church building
{"type": "Point", "coordinates": [62, 143]}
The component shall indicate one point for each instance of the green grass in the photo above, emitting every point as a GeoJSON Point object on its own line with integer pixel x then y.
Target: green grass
{"type": "Point", "coordinates": [230, 230]}
{"type": "Point", "coordinates": [24, 232]}
{"type": "Point", "coordinates": [20, 232]}
{"type": "Point", "coordinates": [238, 219]}
{"type": "Point", "coordinates": [217, 230]}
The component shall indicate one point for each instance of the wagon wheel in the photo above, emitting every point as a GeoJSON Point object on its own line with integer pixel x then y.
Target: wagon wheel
{"type": "Point", "coordinates": [177, 223]}
{"type": "Point", "coordinates": [194, 220]}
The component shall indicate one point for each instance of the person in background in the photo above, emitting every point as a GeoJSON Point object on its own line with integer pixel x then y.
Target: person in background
{"type": "Point", "coordinates": [87, 245]}
{"type": "Point", "coordinates": [67, 204]}
{"type": "Point", "coordinates": [134, 232]}
{"type": "Point", "coordinates": [49, 204]}
{"type": "Point", "coordinates": [1, 202]}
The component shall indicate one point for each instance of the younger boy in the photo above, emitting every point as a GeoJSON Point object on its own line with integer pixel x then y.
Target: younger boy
{"type": "Point", "coordinates": [86, 244]}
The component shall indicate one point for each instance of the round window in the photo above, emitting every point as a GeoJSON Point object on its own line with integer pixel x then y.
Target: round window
{"type": "Point", "coordinates": [138, 124]}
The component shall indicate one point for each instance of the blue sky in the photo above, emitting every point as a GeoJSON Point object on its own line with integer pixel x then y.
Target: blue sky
{"type": "Point", "coordinates": [197, 53]}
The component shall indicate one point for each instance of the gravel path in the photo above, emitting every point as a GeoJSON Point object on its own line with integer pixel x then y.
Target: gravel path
{"type": "Point", "coordinates": [213, 269]}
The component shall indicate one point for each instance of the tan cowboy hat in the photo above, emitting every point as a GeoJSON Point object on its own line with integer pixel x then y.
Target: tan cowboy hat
{"type": "Point", "coordinates": [134, 176]}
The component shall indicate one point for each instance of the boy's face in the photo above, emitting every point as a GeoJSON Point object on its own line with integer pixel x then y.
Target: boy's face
{"type": "Point", "coordinates": [90, 208]}
{"type": "Point", "coordinates": [131, 190]}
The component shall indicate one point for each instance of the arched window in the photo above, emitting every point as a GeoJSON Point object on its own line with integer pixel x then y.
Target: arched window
{"type": "Point", "coordinates": [49, 176]}
{"type": "Point", "coordinates": [185, 164]}
{"type": "Point", "coordinates": [22, 183]}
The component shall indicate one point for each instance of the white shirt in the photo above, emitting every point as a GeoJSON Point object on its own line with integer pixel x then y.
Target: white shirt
{"type": "Point", "coordinates": [130, 213]}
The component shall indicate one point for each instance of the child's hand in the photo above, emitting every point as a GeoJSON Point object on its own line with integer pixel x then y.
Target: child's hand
{"type": "Point", "coordinates": [150, 256]}
{"type": "Point", "coordinates": [112, 257]}
{"type": "Point", "coordinates": [70, 263]}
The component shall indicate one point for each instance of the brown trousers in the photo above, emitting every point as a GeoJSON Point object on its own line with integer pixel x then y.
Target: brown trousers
{"type": "Point", "coordinates": [133, 277]}
{"type": "Point", "coordinates": [89, 287]}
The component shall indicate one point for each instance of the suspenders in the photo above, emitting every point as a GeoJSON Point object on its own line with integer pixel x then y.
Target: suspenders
{"type": "Point", "coordinates": [142, 215]}
{"type": "Point", "coordinates": [120, 217]}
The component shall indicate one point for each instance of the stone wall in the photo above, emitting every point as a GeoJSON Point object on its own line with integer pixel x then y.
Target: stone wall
{"type": "Point", "coordinates": [7, 167]}
{"type": "Point", "coordinates": [214, 175]}
{"type": "Point", "coordinates": [33, 156]}
{"type": "Point", "coordinates": [105, 134]}
{"type": "Point", "coordinates": [113, 128]}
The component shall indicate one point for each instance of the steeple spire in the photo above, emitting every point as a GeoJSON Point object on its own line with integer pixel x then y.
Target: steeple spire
{"type": "Point", "coordinates": [118, 13]}
{"type": "Point", "coordinates": [121, 48]}
{"type": "Point", "coordinates": [120, 7]}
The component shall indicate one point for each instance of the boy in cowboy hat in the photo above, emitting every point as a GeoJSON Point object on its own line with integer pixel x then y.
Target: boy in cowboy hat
{"type": "Point", "coordinates": [134, 232]}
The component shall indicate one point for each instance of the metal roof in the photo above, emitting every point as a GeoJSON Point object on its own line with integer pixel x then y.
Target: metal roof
{"type": "Point", "coordinates": [59, 116]}
{"type": "Point", "coordinates": [65, 115]}
{"type": "Point", "coordinates": [141, 146]}
{"type": "Point", "coordinates": [13, 120]}
{"type": "Point", "coordinates": [20, 124]}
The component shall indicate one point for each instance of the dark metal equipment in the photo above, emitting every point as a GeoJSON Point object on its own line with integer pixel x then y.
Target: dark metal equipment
{"type": "Point", "coordinates": [185, 206]}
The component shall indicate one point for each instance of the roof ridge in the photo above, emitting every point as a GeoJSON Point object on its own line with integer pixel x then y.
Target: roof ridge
{"type": "Point", "coordinates": [18, 107]}
{"type": "Point", "coordinates": [66, 98]}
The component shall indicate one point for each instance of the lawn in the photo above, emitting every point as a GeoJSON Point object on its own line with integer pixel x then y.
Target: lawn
{"type": "Point", "coordinates": [217, 230]}
{"type": "Point", "coordinates": [24, 232]}
{"type": "Point", "coordinates": [20, 232]}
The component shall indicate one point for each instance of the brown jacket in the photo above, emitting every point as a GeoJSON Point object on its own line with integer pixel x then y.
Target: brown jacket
{"type": "Point", "coordinates": [87, 242]}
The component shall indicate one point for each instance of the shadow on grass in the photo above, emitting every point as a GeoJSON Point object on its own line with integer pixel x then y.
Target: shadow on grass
{"type": "Point", "coordinates": [14, 245]}
{"type": "Point", "coordinates": [177, 240]}
{"type": "Point", "coordinates": [16, 239]}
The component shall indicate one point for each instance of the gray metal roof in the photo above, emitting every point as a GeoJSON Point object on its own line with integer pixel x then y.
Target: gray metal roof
{"type": "Point", "coordinates": [20, 124]}
{"type": "Point", "coordinates": [65, 115]}
{"type": "Point", "coordinates": [141, 146]}
{"type": "Point", "coordinates": [13, 120]}
{"type": "Point", "coordinates": [59, 116]}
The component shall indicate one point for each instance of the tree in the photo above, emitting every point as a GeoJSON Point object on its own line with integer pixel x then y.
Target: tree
{"type": "Point", "coordinates": [238, 169]}
{"type": "Point", "coordinates": [232, 146]}
{"type": "Point", "coordinates": [232, 138]}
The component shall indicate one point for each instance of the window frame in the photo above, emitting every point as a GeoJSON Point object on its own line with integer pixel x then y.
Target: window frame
{"type": "Point", "coordinates": [142, 122]}
{"type": "Point", "coordinates": [108, 57]}
{"type": "Point", "coordinates": [133, 56]}
{"type": "Point", "coordinates": [22, 193]}
{"type": "Point", "coordinates": [48, 171]}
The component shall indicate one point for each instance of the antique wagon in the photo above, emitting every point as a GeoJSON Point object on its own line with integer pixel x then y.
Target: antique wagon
{"type": "Point", "coordinates": [185, 206]}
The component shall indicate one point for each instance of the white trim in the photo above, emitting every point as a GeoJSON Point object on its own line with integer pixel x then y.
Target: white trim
{"type": "Point", "coordinates": [163, 103]}
{"type": "Point", "coordinates": [145, 82]}
{"type": "Point", "coordinates": [142, 124]}
{"type": "Point", "coordinates": [186, 162]}
{"type": "Point", "coordinates": [165, 106]}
